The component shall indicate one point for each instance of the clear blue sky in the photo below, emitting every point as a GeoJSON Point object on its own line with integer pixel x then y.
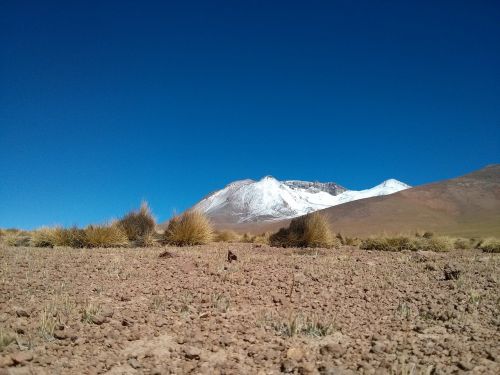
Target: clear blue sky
{"type": "Point", "coordinates": [106, 103]}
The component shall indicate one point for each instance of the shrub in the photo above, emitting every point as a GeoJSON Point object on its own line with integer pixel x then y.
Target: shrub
{"type": "Point", "coordinates": [139, 225]}
{"type": "Point", "coordinates": [190, 228]}
{"type": "Point", "coordinates": [16, 238]}
{"type": "Point", "coordinates": [490, 245]}
{"type": "Point", "coordinates": [311, 230]}
{"type": "Point", "coordinates": [226, 236]}
{"type": "Point", "coordinates": [70, 237]}
{"type": "Point", "coordinates": [463, 244]}
{"type": "Point", "coordinates": [105, 236]}
{"type": "Point", "coordinates": [437, 244]}
{"type": "Point", "coordinates": [262, 238]}
{"type": "Point", "coordinates": [43, 237]}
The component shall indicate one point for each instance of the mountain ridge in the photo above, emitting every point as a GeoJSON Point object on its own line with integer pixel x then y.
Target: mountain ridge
{"type": "Point", "coordinates": [269, 199]}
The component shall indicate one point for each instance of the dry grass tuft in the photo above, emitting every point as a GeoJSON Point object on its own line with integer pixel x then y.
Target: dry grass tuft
{"type": "Point", "coordinates": [139, 226]}
{"type": "Point", "coordinates": [226, 236]}
{"type": "Point", "coordinates": [463, 244]}
{"type": "Point", "coordinates": [43, 237]}
{"type": "Point", "coordinates": [105, 236]}
{"type": "Point", "coordinates": [190, 228]}
{"type": "Point", "coordinates": [311, 230]}
{"type": "Point", "coordinates": [70, 237]}
{"type": "Point", "coordinates": [437, 244]}
{"type": "Point", "coordinates": [490, 245]}
{"type": "Point", "coordinates": [16, 238]}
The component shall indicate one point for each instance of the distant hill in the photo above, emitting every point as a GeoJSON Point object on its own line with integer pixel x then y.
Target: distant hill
{"type": "Point", "coordinates": [462, 206]}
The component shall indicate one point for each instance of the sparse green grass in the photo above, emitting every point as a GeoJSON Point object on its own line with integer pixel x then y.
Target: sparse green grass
{"type": "Point", "coordinates": [105, 236]}
{"type": "Point", "coordinates": [47, 323]}
{"type": "Point", "coordinates": [311, 230]}
{"type": "Point", "coordinates": [190, 228]}
{"type": "Point", "coordinates": [89, 312]}
{"type": "Point", "coordinates": [403, 311]}
{"type": "Point", "coordinates": [298, 324]}
{"type": "Point", "coordinates": [221, 302]}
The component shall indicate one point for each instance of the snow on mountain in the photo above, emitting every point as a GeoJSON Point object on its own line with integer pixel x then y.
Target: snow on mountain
{"type": "Point", "coordinates": [269, 199]}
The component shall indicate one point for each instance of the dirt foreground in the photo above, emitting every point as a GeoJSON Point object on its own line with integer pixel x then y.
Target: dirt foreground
{"type": "Point", "coordinates": [130, 311]}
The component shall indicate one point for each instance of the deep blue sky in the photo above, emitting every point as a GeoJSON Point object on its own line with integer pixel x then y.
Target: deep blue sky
{"type": "Point", "coordinates": [105, 103]}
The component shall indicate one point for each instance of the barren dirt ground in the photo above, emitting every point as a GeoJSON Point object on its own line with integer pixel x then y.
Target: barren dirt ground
{"type": "Point", "coordinates": [129, 311]}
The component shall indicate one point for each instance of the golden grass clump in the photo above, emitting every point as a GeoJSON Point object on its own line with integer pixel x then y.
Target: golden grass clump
{"type": "Point", "coordinates": [311, 230]}
{"type": "Point", "coordinates": [262, 238]}
{"type": "Point", "coordinates": [70, 237]}
{"type": "Point", "coordinates": [490, 245]}
{"type": "Point", "coordinates": [16, 238]}
{"type": "Point", "coordinates": [190, 228]}
{"type": "Point", "coordinates": [139, 225]}
{"type": "Point", "coordinates": [43, 237]}
{"type": "Point", "coordinates": [105, 236]}
{"type": "Point", "coordinates": [437, 244]}
{"type": "Point", "coordinates": [226, 236]}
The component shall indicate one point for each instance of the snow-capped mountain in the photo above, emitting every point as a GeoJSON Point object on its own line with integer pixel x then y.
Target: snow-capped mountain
{"type": "Point", "coordinates": [269, 199]}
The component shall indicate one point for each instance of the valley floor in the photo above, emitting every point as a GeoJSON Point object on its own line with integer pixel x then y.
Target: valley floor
{"type": "Point", "coordinates": [130, 311]}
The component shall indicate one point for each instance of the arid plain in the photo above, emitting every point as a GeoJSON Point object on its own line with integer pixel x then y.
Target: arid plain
{"type": "Point", "coordinates": [170, 310]}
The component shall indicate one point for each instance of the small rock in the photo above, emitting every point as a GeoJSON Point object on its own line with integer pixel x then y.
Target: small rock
{"type": "Point", "coordinates": [231, 256]}
{"type": "Point", "coordinates": [134, 363]}
{"type": "Point", "coordinates": [335, 350]}
{"type": "Point", "coordinates": [107, 312]}
{"type": "Point", "coordinates": [65, 334]}
{"type": "Point", "coordinates": [277, 298]}
{"type": "Point", "coordinates": [192, 352]}
{"type": "Point", "coordinates": [332, 370]}
{"type": "Point", "coordinates": [295, 354]}
{"type": "Point", "coordinates": [21, 357]}
{"type": "Point", "coordinates": [430, 267]}
{"type": "Point", "coordinates": [287, 366]}
{"type": "Point", "coordinates": [6, 361]}
{"type": "Point", "coordinates": [98, 319]}
{"type": "Point", "coordinates": [22, 313]}
{"type": "Point", "coordinates": [451, 272]}
{"type": "Point", "coordinates": [465, 365]}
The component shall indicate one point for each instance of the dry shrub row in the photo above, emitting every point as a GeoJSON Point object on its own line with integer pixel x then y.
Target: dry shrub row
{"type": "Point", "coordinates": [401, 243]}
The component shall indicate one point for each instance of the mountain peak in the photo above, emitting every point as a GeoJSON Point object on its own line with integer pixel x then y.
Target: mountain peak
{"type": "Point", "coordinates": [271, 199]}
{"type": "Point", "coordinates": [391, 182]}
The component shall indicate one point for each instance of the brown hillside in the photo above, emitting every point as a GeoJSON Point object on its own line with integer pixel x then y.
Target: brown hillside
{"type": "Point", "coordinates": [465, 206]}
